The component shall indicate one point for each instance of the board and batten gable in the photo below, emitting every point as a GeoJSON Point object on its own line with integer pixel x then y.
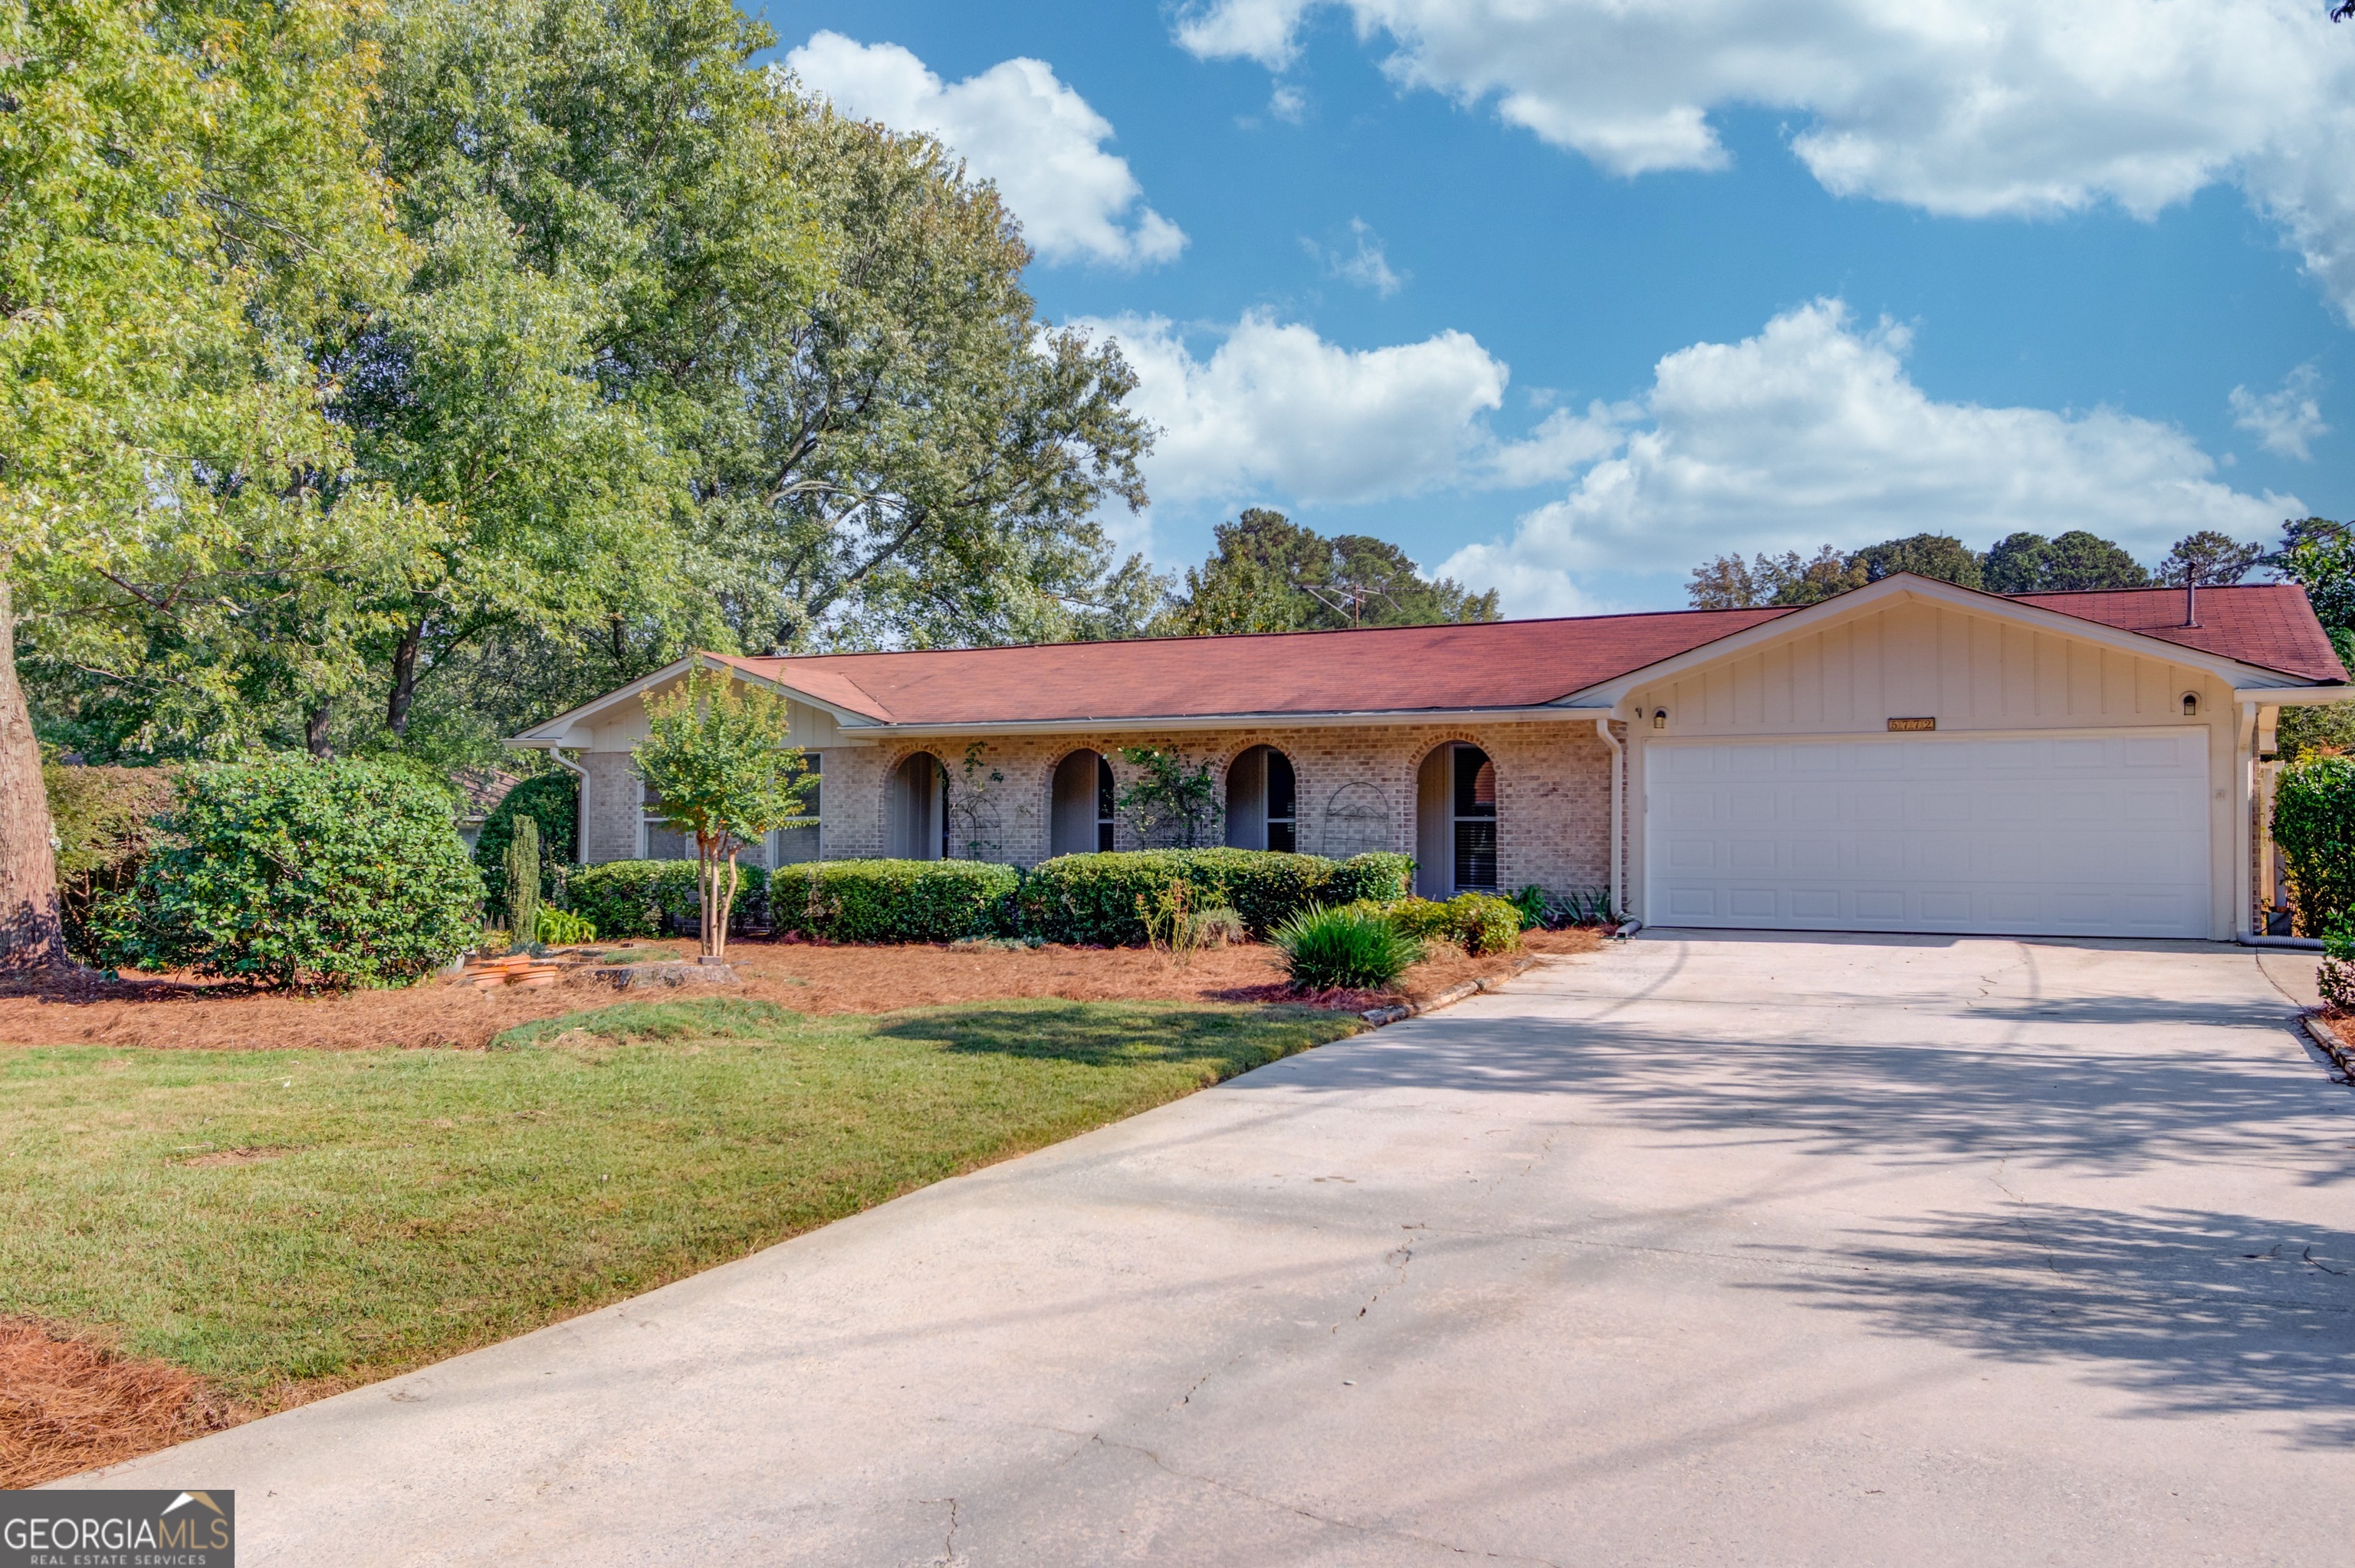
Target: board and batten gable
{"type": "Point", "coordinates": [1972, 672]}
{"type": "Point", "coordinates": [611, 803]}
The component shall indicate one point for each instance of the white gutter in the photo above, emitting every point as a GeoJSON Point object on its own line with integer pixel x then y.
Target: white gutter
{"type": "Point", "coordinates": [1535, 711]}
{"type": "Point", "coordinates": [2294, 696]}
{"type": "Point", "coordinates": [1618, 807]}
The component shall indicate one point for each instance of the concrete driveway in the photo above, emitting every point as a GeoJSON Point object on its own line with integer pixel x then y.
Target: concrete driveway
{"type": "Point", "coordinates": [1774, 1251]}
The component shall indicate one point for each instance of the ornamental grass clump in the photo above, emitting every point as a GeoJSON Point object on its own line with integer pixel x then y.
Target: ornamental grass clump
{"type": "Point", "coordinates": [1344, 950]}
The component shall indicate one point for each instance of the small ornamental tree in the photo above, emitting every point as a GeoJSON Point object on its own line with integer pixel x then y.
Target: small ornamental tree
{"type": "Point", "coordinates": [716, 757]}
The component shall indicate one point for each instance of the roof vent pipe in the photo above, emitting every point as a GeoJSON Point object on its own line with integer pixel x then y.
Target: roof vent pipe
{"type": "Point", "coordinates": [2190, 600]}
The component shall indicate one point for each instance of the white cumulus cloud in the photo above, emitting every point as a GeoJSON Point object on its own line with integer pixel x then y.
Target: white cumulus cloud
{"type": "Point", "coordinates": [2018, 107]}
{"type": "Point", "coordinates": [1275, 409]}
{"type": "Point", "coordinates": [1016, 124]}
{"type": "Point", "coordinates": [2286, 420]}
{"type": "Point", "coordinates": [1812, 433]}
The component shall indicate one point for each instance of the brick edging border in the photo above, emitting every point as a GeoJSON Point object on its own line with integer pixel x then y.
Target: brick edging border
{"type": "Point", "coordinates": [1378, 1016]}
{"type": "Point", "coordinates": [2324, 1036]}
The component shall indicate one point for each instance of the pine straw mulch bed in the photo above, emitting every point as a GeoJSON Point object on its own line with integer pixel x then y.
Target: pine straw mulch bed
{"type": "Point", "coordinates": [180, 1012]}
{"type": "Point", "coordinates": [70, 1405]}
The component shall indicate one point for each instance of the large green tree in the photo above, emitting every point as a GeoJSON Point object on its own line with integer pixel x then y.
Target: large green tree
{"type": "Point", "coordinates": [601, 196]}
{"type": "Point", "coordinates": [191, 206]}
{"type": "Point", "coordinates": [1270, 574]}
{"type": "Point", "coordinates": [2017, 563]}
{"type": "Point", "coordinates": [912, 456]}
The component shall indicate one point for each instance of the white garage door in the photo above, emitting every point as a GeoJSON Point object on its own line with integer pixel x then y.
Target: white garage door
{"type": "Point", "coordinates": [2073, 835]}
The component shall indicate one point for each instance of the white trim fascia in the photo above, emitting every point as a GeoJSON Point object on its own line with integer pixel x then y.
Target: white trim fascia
{"type": "Point", "coordinates": [1539, 712]}
{"type": "Point", "coordinates": [555, 732]}
{"type": "Point", "coordinates": [1864, 601]}
{"type": "Point", "coordinates": [2294, 696]}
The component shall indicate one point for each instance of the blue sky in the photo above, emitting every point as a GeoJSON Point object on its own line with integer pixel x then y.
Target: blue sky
{"type": "Point", "coordinates": [1564, 296]}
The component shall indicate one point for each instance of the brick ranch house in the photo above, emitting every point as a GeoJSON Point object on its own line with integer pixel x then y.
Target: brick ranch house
{"type": "Point", "coordinates": [1910, 757]}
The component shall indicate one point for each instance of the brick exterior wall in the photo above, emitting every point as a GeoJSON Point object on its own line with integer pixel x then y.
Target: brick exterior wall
{"type": "Point", "coordinates": [610, 807]}
{"type": "Point", "coordinates": [1553, 791]}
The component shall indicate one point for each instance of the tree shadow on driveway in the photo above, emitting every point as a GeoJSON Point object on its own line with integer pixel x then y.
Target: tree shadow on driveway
{"type": "Point", "coordinates": [2023, 1093]}
{"type": "Point", "coordinates": [2194, 1312]}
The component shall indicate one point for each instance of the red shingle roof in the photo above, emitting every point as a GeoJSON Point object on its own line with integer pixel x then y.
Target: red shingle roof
{"type": "Point", "coordinates": [1411, 669]}
{"type": "Point", "coordinates": [1401, 669]}
{"type": "Point", "coordinates": [2270, 625]}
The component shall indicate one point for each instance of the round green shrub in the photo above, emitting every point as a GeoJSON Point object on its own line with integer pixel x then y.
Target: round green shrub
{"type": "Point", "coordinates": [1353, 949]}
{"type": "Point", "coordinates": [2314, 824]}
{"type": "Point", "coordinates": [297, 872]}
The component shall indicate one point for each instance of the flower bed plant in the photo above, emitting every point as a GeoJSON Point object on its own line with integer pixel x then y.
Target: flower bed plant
{"type": "Point", "coordinates": [1479, 922]}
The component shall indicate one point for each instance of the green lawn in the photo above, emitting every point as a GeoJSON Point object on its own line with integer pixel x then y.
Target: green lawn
{"type": "Point", "coordinates": [409, 1204]}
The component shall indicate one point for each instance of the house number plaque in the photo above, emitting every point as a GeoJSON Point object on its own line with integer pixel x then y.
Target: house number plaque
{"type": "Point", "coordinates": [1913, 723]}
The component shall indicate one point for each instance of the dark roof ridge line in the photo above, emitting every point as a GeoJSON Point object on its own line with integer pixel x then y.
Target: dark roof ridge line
{"type": "Point", "coordinates": [1250, 636]}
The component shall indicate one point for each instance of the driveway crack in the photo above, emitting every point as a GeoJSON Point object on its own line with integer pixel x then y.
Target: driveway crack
{"type": "Point", "coordinates": [1313, 1516]}
{"type": "Point", "coordinates": [1398, 1258]}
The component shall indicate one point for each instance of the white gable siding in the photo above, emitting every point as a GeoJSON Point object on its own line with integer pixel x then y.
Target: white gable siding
{"type": "Point", "coordinates": [1972, 672]}
{"type": "Point", "coordinates": [1968, 671]}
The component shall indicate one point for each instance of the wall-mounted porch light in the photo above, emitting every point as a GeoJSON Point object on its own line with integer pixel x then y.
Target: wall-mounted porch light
{"type": "Point", "coordinates": [2191, 705]}
{"type": "Point", "coordinates": [1659, 718]}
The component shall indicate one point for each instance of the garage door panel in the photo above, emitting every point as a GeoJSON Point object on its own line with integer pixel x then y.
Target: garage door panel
{"type": "Point", "coordinates": [2083, 835]}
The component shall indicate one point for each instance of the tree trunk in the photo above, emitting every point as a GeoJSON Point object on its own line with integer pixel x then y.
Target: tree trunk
{"type": "Point", "coordinates": [31, 935]}
{"type": "Point", "coordinates": [707, 890]}
{"type": "Point", "coordinates": [314, 729]}
{"type": "Point", "coordinates": [404, 678]}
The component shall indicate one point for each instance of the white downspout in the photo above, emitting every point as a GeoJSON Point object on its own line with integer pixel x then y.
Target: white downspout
{"type": "Point", "coordinates": [1618, 811]}
{"type": "Point", "coordinates": [2244, 819]}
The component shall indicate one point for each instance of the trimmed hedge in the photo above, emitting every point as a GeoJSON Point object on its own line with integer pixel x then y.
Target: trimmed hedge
{"type": "Point", "coordinates": [1091, 898]}
{"type": "Point", "coordinates": [633, 898]}
{"type": "Point", "coordinates": [2314, 824]}
{"type": "Point", "coordinates": [297, 872]}
{"type": "Point", "coordinates": [1083, 899]}
{"type": "Point", "coordinates": [895, 900]}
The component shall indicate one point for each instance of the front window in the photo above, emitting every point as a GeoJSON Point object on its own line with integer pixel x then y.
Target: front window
{"type": "Point", "coordinates": [663, 842]}
{"type": "Point", "coordinates": [804, 841]}
{"type": "Point", "coordinates": [1476, 818]}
